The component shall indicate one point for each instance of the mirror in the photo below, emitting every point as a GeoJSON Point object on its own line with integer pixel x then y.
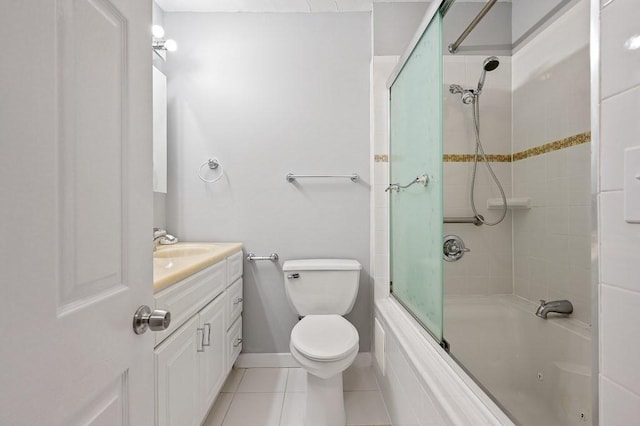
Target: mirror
{"type": "Point", "coordinates": [159, 131]}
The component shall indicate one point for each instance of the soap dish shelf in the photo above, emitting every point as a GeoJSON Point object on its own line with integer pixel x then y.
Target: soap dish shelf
{"type": "Point", "coordinates": [521, 203]}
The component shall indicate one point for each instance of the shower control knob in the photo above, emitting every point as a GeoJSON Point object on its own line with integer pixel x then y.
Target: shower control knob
{"type": "Point", "coordinates": [144, 319]}
{"type": "Point", "coordinates": [453, 248]}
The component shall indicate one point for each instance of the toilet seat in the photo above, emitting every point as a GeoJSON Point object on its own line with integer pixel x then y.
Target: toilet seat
{"type": "Point", "coordinates": [324, 338]}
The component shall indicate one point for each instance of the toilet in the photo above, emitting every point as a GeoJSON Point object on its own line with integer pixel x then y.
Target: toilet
{"type": "Point", "coordinates": [323, 342]}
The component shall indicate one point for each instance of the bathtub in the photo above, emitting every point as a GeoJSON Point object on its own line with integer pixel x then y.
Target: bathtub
{"type": "Point", "coordinates": [537, 370]}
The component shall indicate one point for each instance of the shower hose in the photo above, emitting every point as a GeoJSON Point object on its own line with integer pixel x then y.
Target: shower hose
{"type": "Point", "coordinates": [479, 148]}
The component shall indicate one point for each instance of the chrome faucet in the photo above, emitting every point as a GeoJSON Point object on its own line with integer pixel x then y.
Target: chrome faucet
{"type": "Point", "coordinates": [557, 306]}
{"type": "Point", "coordinates": [160, 236]}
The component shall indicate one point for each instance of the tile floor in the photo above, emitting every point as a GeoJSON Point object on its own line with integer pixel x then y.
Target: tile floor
{"type": "Point", "coordinates": [276, 397]}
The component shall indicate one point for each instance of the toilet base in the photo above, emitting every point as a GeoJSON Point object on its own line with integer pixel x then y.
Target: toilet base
{"type": "Point", "coordinates": [325, 401]}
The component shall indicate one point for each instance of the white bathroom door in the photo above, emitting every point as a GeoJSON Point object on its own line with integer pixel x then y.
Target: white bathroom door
{"type": "Point", "coordinates": [75, 212]}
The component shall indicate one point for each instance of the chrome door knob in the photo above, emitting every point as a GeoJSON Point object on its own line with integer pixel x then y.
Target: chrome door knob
{"type": "Point", "coordinates": [144, 319]}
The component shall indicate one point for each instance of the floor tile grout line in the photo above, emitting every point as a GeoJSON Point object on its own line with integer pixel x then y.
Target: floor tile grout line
{"type": "Point", "coordinates": [284, 395]}
{"type": "Point", "coordinates": [227, 410]}
{"type": "Point", "coordinates": [375, 377]}
{"type": "Point", "coordinates": [233, 396]}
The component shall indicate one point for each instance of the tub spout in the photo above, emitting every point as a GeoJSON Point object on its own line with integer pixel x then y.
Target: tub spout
{"type": "Point", "coordinates": [557, 306]}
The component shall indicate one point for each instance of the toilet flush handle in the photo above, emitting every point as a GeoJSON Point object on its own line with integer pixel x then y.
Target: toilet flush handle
{"type": "Point", "coordinates": [293, 276]}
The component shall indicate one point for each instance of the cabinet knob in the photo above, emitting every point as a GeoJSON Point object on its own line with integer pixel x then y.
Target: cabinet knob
{"type": "Point", "coordinates": [237, 343]}
{"type": "Point", "coordinates": [238, 300]}
{"type": "Point", "coordinates": [144, 319]}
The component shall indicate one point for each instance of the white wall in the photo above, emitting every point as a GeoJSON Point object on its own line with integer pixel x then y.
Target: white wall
{"type": "Point", "coordinates": [619, 241]}
{"type": "Point", "coordinates": [529, 14]}
{"type": "Point", "coordinates": [394, 24]}
{"type": "Point", "coordinates": [269, 94]}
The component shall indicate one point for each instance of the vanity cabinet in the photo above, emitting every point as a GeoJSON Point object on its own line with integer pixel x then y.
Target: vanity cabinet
{"type": "Point", "coordinates": [214, 362]}
{"type": "Point", "coordinates": [177, 373]}
{"type": "Point", "coordinates": [194, 356]}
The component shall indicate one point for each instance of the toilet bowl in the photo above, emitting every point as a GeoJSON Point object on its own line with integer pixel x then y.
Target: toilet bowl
{"type": "Point", "coordinates": [324, 346]}
{"type": "Point", "coordinates": [323, 342]}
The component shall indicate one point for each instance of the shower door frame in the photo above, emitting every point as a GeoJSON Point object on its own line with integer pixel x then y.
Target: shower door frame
{"type": "Point", "coordinates": [441, 7]}
{"type": "Point", "coordinates": [595, 189]}
{"type": "Point", "coordinates": [436, 7]}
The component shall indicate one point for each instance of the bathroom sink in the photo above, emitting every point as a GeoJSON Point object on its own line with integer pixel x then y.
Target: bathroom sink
{"type": "Point", "coordinates": [173, 263]}
{"type": "Point", "coordinates": [182, 251]}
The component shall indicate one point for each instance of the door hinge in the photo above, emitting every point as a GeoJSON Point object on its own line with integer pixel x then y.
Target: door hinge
{"type": "Point", "coordinates": [391, 286]}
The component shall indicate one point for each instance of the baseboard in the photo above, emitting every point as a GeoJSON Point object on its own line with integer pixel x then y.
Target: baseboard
{"type": "Point", "coordinates": [285, 360]}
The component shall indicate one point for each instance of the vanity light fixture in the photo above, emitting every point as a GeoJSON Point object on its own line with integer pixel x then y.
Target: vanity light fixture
{"type": "Point", "coordinates": [159, 43]}
{"type": "Point", "coordinates": [157, 31]}
{"type": "Point", "coordinates": [168, 45]}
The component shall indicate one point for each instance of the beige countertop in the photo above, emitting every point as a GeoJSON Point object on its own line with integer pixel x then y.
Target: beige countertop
{"type": "Point", "coordinates": [172, 263]}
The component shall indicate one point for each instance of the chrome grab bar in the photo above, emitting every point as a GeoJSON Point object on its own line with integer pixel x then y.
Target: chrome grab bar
{"type": "Point", "coordinates": [472, 219]}
{"type": "Point", "coordinates": [422, 179]}
{"type": "Point", "coordinates": [292, 177]}
{"type": "Point", "coordinates": [272, 257]}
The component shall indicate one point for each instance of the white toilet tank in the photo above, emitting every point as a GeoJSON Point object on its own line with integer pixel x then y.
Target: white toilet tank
{"type": "Point", "coordinates": [321, 286]}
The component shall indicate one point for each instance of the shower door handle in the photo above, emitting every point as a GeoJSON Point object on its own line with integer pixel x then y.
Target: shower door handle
{"type": "Point", "coordinates": [422, 180]}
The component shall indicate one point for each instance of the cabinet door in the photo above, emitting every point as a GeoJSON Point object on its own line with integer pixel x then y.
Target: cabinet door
{"type": "Point", "coordinates": [213, 361]}
{"type": "Point", "coordinates": [177, 377]}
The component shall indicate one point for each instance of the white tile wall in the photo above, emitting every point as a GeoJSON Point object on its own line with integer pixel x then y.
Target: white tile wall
{"type": "Point", "coordinates": [552, 240]}
{"type": "Point", "coordinates": [551, 92]}
{"type": "Point", "coordinates": [495, 106]}
{"type": "Point", "coordinates": [382, 68]}
{"type": "Point", "coordinates": [620, 61]}
{"type": "Point", "coordinates": [547, 72]}
{"type": "Point", "coordinates": [619, 242]}
{"type": "Point", "coordinates": [479, 271]}
{"type": "Point", "coordinates": [620, 134]}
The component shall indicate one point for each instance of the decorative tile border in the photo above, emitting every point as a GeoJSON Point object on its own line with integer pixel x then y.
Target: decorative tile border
{"type": "Point", "coordinates": [528, 153]}
{"type": "Point", "coordinates": [381, 158]}
{"type": "Point", "coordinates": [468, 158]}
{"type": "Point", "coordinates": [553, 146]}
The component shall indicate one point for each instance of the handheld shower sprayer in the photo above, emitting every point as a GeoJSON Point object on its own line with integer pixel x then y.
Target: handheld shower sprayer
{"type": "Point", "coordinates": [470, 96]}
{"type": "Point", "coordinates": [489, 64]}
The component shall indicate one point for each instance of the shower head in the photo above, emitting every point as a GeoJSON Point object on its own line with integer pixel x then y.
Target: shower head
{"type": "Point", "coordinates": [489, 64]}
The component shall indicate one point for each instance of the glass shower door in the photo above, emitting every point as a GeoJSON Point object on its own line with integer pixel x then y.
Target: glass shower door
{"type": "Point", "coordinates": [416, 211]}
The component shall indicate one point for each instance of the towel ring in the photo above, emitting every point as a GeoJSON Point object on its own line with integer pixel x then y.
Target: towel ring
{"type": "Point", "coordinates": [213, 164]}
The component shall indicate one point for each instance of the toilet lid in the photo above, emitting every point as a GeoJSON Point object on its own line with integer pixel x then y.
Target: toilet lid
{"type": "Point", "coordinates": [324, 337]}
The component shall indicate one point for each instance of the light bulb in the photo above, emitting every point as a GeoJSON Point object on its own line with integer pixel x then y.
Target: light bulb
{"type": "Point", "coordinates": [170, 45]}
{"type": "Point", "coordinates": [633, 43]}
{"type": "Point", "coordinates": [157, 31]}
